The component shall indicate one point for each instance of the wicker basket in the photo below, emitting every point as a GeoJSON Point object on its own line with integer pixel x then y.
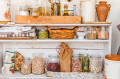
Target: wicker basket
{"type": "Point", "coordinates": [62, 34]}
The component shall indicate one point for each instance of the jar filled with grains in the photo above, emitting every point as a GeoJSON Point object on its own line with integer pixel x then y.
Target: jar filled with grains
{"type": "Point", "coordinates": [38, 64]}
{"type": "Point", "coordinates": [95, 65]}
{"type": "Point", "coordinates": [53, 63]}
{"type": "Point", "coordinates": [91, 33]}
{"type": "Point", "coordinates": [103, 33]}
{"type": "Point", "coordinates": [26, 66]}
{"type": "Point", "coordinates": [76, 63]}
{"type": "Point", "coordinates": [43, 34]}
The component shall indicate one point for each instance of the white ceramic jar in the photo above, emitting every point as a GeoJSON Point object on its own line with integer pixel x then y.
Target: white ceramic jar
{"type": "Point", "coordinates": [88, 10]}
{"type": "Point", "coordinates": [112, 66]}
{"type": "Point", "coordinates": [5, 14]}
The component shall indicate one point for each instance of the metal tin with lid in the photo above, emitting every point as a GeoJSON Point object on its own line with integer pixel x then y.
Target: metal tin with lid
{"type": "Point", "coordinates": [112, 66]}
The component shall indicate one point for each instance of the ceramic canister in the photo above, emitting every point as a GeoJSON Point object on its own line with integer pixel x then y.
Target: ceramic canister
{"type": "Point", "coordinates": [112, 66]}
{"type": "Point", "coordinates": [5, 10]}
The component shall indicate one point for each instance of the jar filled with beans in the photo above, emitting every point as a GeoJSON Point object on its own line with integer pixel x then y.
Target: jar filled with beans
{"type": "Point", "coordinates": [85, 63]}
{"type": "Point", "coordinates": [53, 63]}
{"type": "Point", "coordinates": [26, 66]}
{"type": "Point", "coordinates": [38, 64]}
{"type": "Point", "coordinates": [43, 34]}
{"type": "Point", "coordinates": [76, 63]}
{"type": "Point", "coordinates": [95, 65]}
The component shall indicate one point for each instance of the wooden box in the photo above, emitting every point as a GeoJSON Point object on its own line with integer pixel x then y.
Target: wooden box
{"type": "Point", "coordinates": [48, 19]}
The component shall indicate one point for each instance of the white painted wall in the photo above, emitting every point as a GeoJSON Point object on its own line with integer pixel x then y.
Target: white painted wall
{"type": "Point", "coordinates": [114, 17]}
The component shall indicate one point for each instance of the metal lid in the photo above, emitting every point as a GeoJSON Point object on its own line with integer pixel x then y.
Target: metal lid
{"type": "Point", "coordinates": [113, 57]}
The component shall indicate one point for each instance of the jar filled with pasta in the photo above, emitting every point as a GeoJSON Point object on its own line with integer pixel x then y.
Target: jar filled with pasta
{"type": "Point", "coordinates": [95, 65]}
{"type": "Point", "coordinates": [26, 66]}
{"type": "Point", "coordinates": [76, 63]}
{"type": "Point", "coordinates": [53, 63]}
{"type": "Point", "coordinates": [85, 63]}
{"type": "Point", "coordinates": [38, 64]}
{"type": "Point", "coordinates": [103, 33]}
{"type": "Point", "coordinates": [91, 33]}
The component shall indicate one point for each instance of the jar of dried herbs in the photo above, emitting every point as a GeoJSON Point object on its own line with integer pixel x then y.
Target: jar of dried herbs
{"type": "Point", "coordinates": [43, 34]}
{"type": "Point", "coordinates": [85, 63]}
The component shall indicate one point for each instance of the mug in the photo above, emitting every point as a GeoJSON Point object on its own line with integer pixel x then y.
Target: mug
{"type": "Point", "coordinates": [9, 57]}
{"type": "Point", "coordinates": [8, 69]}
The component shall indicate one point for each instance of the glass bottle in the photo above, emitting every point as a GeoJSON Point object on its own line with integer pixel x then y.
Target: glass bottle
{"type": "Point", "coordinates": [103, 33]}
{"type": "Point", "coordinates": [85, 63]}
{"type": "Point", "coordinates": [66, 10]}
{"type": "Point", "coordinates": [38, 64]}
{"type": "Point", "coordinates": [47, 8]}
{"type": "Point", "coordinates": [95, 65]}
{"type": "Point", "coordinates": [26, 66]}
{"type": "Point", "coordinates": [43, 34]}
{"type": "Point", "coordinates": [53, 63]}
{"type": "Point", "coordinates": [74, 10]}
{"type": "Point", "coordinates": [76, 63]}
{"type": "Point", "coordinates": [55, 7]}
{"type": "Point", "coordinates": [91, 33]}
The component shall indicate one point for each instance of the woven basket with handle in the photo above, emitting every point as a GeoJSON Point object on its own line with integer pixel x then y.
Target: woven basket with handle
{"type": "Point", "coordinates": [62, 34]}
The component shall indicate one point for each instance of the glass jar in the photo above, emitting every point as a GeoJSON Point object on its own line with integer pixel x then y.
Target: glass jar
{"type": "Point", "coordinates": [26, 66]}
{"type": "Point", "coordinates": [47, 8]}
{"type": "Point", "coordinates": [53, 63]}
{"type": "Point", "coordinates": [95, 65]}
{"type": "Point", "coordinates": [38, 64]}
{"type": "Point", "coordinates": [91, 33]}
{"type": "Point", "coordinates": [103, 33]}
{"type": "Point", "coordinates": [88, 10]}
{"type": "Point", "coordinates": [43, 34]}
{"type": "Point", "coordinates": [85, 63]}
{"type": "Point", "coordinates": [76, 63]}
{"type": "Point", "coordinates": [55, 7]}
{"type": "Point", "coordinates": [35, 12]}
{"type": "Point", "coordinates": [23, 11]}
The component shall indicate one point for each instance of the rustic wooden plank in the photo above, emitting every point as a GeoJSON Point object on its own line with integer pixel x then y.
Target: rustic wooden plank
{"type": "Point", "coordinates": [48, 19]}
{"type": "Point", "coordinates": [17, 38]}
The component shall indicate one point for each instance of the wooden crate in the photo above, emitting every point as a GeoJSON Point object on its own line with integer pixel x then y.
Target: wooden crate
{"type": "Point", "coordinates": [48, 19]}
{"type": "Point", "coordinates": [4, 22]}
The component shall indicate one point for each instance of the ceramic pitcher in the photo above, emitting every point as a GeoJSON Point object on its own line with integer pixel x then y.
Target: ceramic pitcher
{"type": "Point", "coordinates": [102, 11]}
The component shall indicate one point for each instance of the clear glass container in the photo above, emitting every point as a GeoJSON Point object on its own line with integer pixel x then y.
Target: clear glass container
{"type": "Point", "coordinates": [26, 66]}
{"type": "Point", "coordinates": [55, 7]}
{"type": "Point", "coordinates": [74, 10]}
{"type": "Point", "coordinates": [38, 64]}
{"type": "Point", "coordinates": [76, 63]}
{"type": "Point", "coordinates": [23, 11]}
{"type": "Point", "coordinates": [91, 33]}
{"type": "Point", "coordinates": [103, 33]}
{"type": "Point", "coordinates": [66, 10]}
{"type": "Point", "coordinates": [53, 63]}
{"type": "Point", "coordinates": [43, 34]}
{"type": "Point", "coordinates": [35, 12]}
{"type": "Point", "coordinates": [47, 8]}
{"type": "Point", "coordinates": [85, 63]}
{"type": "Point", "coordinates": [95, 65]}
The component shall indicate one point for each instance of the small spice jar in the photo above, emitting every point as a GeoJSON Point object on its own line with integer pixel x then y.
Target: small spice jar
{"type": "Point", "coordinates": [91, 33]}
{"type": "Point", "coordinates": [85, 63]}
{"type": "Point", "coordinates": [38, 64]}
{"type": "Point", "coordinates": [103, 33]}
{"type": "Point", "coordinates": [26, 66]}
{"type": "Point", "coordinates": [53, 63]}
{"type": "Point", "coordinates": [95, 65]}
{"type": "Point", "coordinates": [76, 63]}
{"type": "Point", "coordinates": [43, 34]}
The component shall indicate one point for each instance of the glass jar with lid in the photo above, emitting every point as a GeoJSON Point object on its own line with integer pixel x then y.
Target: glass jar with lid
{"type": "Point", "coordinates": [95, 63]}
{"type": "Point", "coordinates": [43, 34]}
{"type": "Point", "coordinates": [103, 33]}
{"type": "Point", "coordinates": [26, 66]}
{"type": "Point", "coordinates": [85, 63]}
{"type": "Point", "coordinates": [53, 63]}
{"type": "Point", "coordinates": [91, 33]}
{"type": "Point", "coordinates": [38, 64]}
{"type": "Point", "coordinates": [23, 11]}
{"type": "Point", "coordinates": [76, 63]}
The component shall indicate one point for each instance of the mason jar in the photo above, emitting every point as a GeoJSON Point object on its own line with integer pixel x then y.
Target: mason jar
{"type": "Point", "coordinates": [85, 63]}
{"type": "Point", "coordinates": [53, 63]}
{"type": "Point", "coordinates": [43, 34]}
